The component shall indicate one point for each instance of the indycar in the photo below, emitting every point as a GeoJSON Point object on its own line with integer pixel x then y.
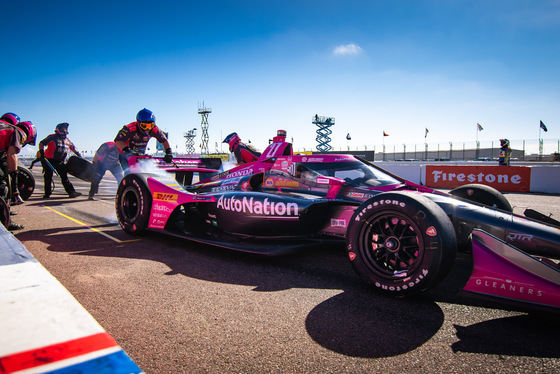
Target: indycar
{"type": "Point", "coordinates": [400, 237]}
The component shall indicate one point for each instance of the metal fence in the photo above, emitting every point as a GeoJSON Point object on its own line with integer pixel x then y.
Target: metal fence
{"type": "Point", "coordinates": [524, 150]}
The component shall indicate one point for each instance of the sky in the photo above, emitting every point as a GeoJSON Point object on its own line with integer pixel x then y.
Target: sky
{"type": "Point", "coordinates": [400, 66]}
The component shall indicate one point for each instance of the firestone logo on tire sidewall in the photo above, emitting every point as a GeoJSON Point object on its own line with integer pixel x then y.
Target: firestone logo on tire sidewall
{"type": "Point", "coordinates": [384, 202]}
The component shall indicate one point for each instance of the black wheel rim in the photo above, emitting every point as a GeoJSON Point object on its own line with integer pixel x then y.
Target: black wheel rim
{"type": "Point", "coordinates": [130, 205]}
{"type": "Point", "coordinates": [391, 245]}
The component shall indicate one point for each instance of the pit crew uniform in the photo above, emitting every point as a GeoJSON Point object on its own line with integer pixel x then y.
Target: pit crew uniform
{"type": "Point", "coordinates": [106, 158]}
{"type": "Point", "coordinates": [136, 141]}
{"type": "Point", "coordinates": [243, 153]}
{"type": "Point", "coordinates": [57, 147]}
{"type": "Point", "coordinates": [505, 153]}
{"type": "Point", "coordinates": [12, 140]}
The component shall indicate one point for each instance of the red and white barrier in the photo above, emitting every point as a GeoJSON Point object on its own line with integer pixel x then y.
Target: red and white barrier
{"type": "Point", "coordinates": [43, 329]}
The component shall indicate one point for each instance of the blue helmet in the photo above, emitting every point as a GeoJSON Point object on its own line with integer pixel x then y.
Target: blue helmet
{"type": "Point", "coordinates": [146, 120]}
{"type": "Point", "coordinates": [62, 128]}
{"type": "Point", "coordinates": [145, 115]}
{"type": "Point", "coordinates": [11, 118]}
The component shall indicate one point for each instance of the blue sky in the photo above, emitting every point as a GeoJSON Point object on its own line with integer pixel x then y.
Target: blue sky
{"type": "Point", "coordinates": [396, 66]}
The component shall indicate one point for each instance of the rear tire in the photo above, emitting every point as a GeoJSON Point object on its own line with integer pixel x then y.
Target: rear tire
{"type": "Point", "coordinates": [26, 183]}
{"type": "Point", "coordinates": [482, 194]}
{"type": "Point", "coordinates": [133, 204]}
{"type": "Point", "coordinates": [401, 243]}
{"type": "Point", "coordinates": [4, 213]}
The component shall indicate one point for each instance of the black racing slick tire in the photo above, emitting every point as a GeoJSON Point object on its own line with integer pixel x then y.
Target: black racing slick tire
{"type": "Point", "coordinates": [482, 194]}
{"type": "Point", "coordinates": [26, 183]}
{"type": "Point", "coordinates": [133, 204]}
{"type": "Point", "coordinates": [4, 213]}
{"type": "Point", "coordinates": [401, 243]}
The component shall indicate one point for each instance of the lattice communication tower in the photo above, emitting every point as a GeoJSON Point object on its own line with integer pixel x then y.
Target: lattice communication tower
{"type": "Point", "coordinates": [204, 112]}
{"type": "Point", "coordinates": [189, 141]}
{"type": "Point", "coordinates": [323, 132]}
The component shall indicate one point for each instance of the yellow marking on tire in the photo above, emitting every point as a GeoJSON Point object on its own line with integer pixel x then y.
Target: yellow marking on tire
{"type": "Point", "coordinates": [91, 228]}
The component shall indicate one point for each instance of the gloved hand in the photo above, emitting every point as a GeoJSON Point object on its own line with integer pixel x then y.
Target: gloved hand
{"type": "Point", "coordinates": [168, 156]}
{"type": "Point", "coordinates": [41, 153]}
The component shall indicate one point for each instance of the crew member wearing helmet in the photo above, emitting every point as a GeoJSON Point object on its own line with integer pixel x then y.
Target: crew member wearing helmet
{"type": "Point", "coordinates": [243, 152]}
{"type": "Point", "coordinates": [10, 118]}
{"type": "Point", "coordinates": [106, 158]}
{"type": "Point", "coordinates": [505, 152]}
{"type": "Point", "coordinates": [133, 138]}
{"type": "Point", "coordinates": [54, 149]}
{"type": "Point", "coordinates": [12, 140]}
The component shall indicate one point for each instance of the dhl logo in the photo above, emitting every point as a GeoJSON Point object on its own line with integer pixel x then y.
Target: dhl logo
{"type": "Point", "coordinates": [165, 196]}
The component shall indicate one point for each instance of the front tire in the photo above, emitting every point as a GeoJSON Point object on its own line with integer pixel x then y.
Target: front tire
{"type": "Point", "coordinates": [401, 243]}
{"type": "Point", "coordinates": [133, 204]}
{"type": "Point", "coordinates": [482, 194]}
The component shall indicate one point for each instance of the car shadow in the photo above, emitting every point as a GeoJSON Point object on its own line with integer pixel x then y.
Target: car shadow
{"type": "Point", "coordinates": [356, 322]}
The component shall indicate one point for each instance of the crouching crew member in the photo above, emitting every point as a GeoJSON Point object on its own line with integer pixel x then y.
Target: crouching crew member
{"type": "Point", "coordinates": [133, 138]}
{"type": "Point", "coordinates": [243, 152]}
{"type": "Point", "coordinates": [106, 158]}
{"type": "Point", "coordinates": [54, 149]}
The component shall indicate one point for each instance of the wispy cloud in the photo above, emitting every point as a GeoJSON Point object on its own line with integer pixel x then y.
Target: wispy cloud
{"type": "Point", "coordinates": [350, 49]}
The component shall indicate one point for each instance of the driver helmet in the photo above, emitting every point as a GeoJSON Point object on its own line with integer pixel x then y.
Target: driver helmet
{"type": "Point", "coordinates": [146, 120]}
{"type": "Point", "coordinates": [10, 118]}
{"type": "Point", "coordinates": [29, 129]}
{"type": "Point", "coordinates": [504, 142]}
{"type": "Point", "coordinates": [280, 136]}
{"type": "Point", "coordinates": [232, 139]}
{"type": "Point", "coordinates": [62, 129]}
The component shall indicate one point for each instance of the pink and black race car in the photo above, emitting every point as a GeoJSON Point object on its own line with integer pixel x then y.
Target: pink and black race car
{"type": "Point", "coordinates": [401, 238]}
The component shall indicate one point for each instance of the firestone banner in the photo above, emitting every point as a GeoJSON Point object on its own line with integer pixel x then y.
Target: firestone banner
{"type": "Point", "coordinates": [502, 178]}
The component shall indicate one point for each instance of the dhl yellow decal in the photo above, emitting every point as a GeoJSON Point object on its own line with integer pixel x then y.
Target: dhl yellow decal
{"type": "Point", "coordinates": [165, 196]}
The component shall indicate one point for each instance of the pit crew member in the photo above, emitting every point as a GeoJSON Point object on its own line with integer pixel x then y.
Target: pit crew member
{"type": "Point", "coordinates": [243, 152]}
{"type": "Point", "coordinates": [133, 138]}
{"type": "Point", "coordinates": [53, 150]}
{"type": "Point", "coordinates": [106, 158]}
{"type": "Point", "coordinates": [12, 140]}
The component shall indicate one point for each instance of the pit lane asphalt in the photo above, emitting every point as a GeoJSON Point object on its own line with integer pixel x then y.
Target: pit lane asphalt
{"type": "Point", "coordinates": [181, 307]}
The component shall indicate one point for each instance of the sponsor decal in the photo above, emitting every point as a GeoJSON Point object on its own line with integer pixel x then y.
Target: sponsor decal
{"type": "Point", "coordinates": [509, 287]}
{"type": "Point", "coordinates": [379, 203]}
{"type": "Point", "coordinates": [409, 283]}
{"type": "Point", "coordinates": [520, 237]}
{"type": "Point", "coordinates": [352, 256]}
{"type": "Point", "coordinates": [470, 192]}
{"type": "Point", "coordinates": [286, 183]}
{"type": "Point", "coordinates": [222, 188]}
{"type": "Point", "coordinates": [228, 174]}
{"type": "Point", "coordinates": [165, 196]}
{"type": "Point", "coordinates": [265, 207]}
{"type": "Point", "coordinates": [161, 208]}
{"type": "Point", "coordinates": [269, 183]}
{"type": "Point", "coordinates": [356, 194]}
{"type": "Point", "coordinates": [511, 178]}
{"type": "Point", "coordinates": [431, 231]}
{"type": "Point", "coordinates": [245, 186]}
{"type": "Point", "coordinates": [338, 222]}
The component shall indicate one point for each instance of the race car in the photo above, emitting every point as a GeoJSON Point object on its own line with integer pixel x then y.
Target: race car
{"type": "Point", "coordinates": [400, 237]}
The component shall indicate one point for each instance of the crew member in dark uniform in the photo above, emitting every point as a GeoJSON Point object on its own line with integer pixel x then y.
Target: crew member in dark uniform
{"type": "Point", "coordinates": [12, 140]}
{"type": "Point", "coordinates": [106, 158]}
{"type": "Point", "coordinates": [243, 152]}
{"type": "Point", "coordinates": [505, 153]}
{"type": "Point", "coordinates": [57, 147]}
{"type": "Point", "coordinates": [133, 138]}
